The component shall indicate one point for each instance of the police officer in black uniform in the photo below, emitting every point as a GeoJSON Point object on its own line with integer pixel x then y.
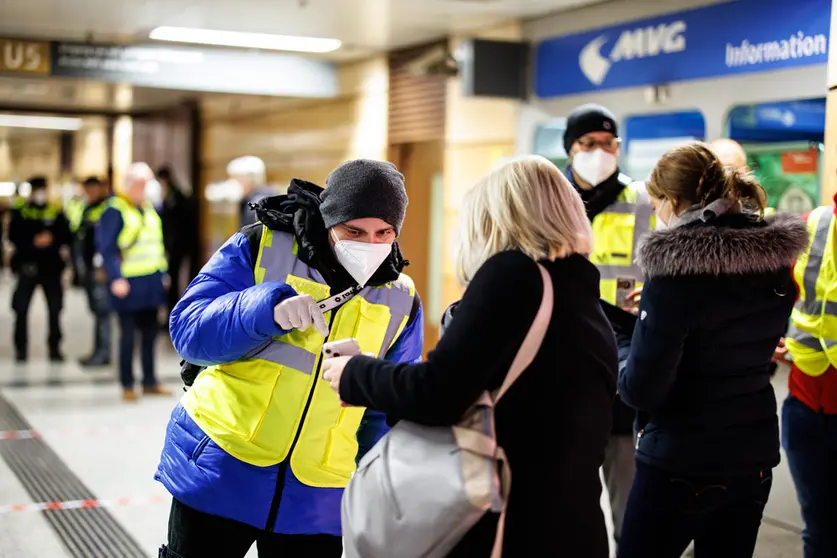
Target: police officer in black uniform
{"type": "Point", "coordinates": [93, 278]}
{"type": "Point", "coordinates": [37, 231]}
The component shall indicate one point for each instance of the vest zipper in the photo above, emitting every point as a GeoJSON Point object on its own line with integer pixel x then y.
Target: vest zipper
{"type": "Point", "coordinates": [283, 467]}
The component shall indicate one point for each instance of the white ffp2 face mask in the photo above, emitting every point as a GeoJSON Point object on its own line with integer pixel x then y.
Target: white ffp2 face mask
{"type": "Point", "coordinates": [594, 167]}
{"type": "Point", "coordinates": [39, 197]}
{"type": "Point", "coordinates": [361, 259]}
{"type": "Point", "coordinates": [662, 225]}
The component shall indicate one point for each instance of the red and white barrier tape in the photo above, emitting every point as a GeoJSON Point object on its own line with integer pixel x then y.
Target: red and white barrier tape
{"type": "Point", "coordinates": [81, 504]}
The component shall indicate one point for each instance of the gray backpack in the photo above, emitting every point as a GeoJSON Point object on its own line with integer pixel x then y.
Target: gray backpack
{"type": "Point", "coordinates": [420, 489]}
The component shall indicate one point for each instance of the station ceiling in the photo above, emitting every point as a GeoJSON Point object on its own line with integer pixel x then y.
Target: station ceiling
{"type": "Point", "coordinates": [363, 26]}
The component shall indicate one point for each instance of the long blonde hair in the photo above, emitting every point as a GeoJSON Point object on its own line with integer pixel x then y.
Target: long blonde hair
{"type": "Point", "coordinates": [525, 204]}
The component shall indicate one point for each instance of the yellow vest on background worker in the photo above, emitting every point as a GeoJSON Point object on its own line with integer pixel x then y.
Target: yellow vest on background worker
{"type": "Point", "coordinates": [74, 210]}
{"type": "Point", "coordinates": [812, 338]}
{"type": "Point", "coordinates": [252, 407]}
{"type": "Point", "coordinates": [140, 240]}
{"type": "Point", "coordinates": [616, 233]}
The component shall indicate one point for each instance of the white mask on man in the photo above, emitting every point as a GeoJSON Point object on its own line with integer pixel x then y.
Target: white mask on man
{"type": "Point", "coordinates": [361, 259]}
{"type": "Point", "coordinates": [39, 197]}
{"type": "Point", "coordinates": [594, 167]}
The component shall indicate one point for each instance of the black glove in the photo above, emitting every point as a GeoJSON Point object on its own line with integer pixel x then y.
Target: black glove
{"type": "Point", "coordinates": [188, 373]}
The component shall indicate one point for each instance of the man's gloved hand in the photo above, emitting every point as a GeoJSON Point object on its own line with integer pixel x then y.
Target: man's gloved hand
{"type": "Point", "coordinates": [300, 312]}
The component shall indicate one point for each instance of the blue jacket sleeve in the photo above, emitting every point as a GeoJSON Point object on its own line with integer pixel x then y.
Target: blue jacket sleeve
{"type": "Point", "coordinates": [657, 345]}
{"type": "Point", "coordinates": [107, 233]}
{"type": "Point", "coordinates": [407, 349]}
{"type": "Point", "coordinates": [223, 314]}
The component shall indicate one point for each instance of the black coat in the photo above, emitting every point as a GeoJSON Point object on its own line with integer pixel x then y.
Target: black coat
{"type": "Point", "coordinates": [29, 258]}
{"type": "Point", "coordinates": [717, 299]}
{"type": "Point", "coordinates": [554, 422]}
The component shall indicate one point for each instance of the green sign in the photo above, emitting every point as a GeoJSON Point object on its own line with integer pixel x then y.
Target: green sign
{"type": "Point", "coordinates": [789, 176]}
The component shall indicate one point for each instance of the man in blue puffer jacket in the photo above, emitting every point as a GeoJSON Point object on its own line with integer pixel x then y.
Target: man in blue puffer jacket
{"type": "Point", "coordinates": [260, 448]}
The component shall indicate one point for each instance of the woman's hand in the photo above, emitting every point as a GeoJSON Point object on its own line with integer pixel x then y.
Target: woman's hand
{"type": "Point", "coordinates": [633, 299]}
{"type": "Point", "coordinates": [333, 371]}
{"type": "Point", "coordinates": [780, 354]}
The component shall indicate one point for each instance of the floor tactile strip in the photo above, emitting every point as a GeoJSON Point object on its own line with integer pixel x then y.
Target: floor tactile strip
{"type": "Point", "coordinates": [86, 532]}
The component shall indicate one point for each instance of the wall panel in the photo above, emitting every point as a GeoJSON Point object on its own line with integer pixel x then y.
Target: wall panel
{"type": "Point", "coordinates": [296, 138]}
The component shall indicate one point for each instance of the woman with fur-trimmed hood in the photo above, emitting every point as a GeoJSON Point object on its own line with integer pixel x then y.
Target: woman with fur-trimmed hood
{"type": "Point", "coordinates": [717, 298]}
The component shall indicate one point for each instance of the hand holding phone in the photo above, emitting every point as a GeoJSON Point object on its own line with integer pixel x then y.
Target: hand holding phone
{"type": "Point", "coordinates": [343, 347]}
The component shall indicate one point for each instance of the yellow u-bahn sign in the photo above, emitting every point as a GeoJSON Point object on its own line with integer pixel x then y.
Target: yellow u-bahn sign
{"type": "Point", "coordinates": [24, 57]}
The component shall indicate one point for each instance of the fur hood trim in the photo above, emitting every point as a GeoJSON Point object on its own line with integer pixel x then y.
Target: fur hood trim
{"type": "Point", "coordinates": [719, 250]}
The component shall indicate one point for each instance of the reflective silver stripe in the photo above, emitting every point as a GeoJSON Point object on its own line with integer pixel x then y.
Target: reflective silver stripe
{"type": "Point", "coordinates": [815, 256]}
{"type": "Point", "coordinates": [624, 208]}
{"type": "Point", "coordinates": [400, 303]}
{"type": "Point", "coordinates": [815, 307]}
{"type": "Point", "coordinates": [614, 272]}
{"type": "Point", "coordinates": [278, 261]}
{"type": "Point", "coordinates": [808, 340]}
{"type": "Point", "coordinates": [286, 354]}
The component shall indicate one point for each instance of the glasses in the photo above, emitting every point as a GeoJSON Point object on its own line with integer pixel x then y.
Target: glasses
{"type": "Point", "coordinates": [611, 145]}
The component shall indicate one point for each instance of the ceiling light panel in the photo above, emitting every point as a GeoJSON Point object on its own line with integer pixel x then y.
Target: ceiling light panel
{"type": "Point", "coordinates": [244, 40]}
{"type": "Point", "coordinates": [40, 122]}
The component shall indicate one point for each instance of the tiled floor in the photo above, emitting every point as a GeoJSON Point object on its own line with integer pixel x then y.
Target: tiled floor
{"type": "Point", "coordinates": [112, 447]}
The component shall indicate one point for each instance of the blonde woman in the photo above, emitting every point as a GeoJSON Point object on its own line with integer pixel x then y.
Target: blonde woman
{"type": "Point", "coordinates": [555, 421]}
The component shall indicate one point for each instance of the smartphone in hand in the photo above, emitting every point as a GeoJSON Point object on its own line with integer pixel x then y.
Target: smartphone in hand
{"type": "Point", "coordinates": [343, 347]}
{"type": "Point", "coordinates": [624, 287]}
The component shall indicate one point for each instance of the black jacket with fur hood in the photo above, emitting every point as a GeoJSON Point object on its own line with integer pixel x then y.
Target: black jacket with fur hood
{"type": "Point", "coordinates": [717, 299]}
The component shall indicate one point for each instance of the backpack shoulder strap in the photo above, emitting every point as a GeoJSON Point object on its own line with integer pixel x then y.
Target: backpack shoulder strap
{"type": "Point", "coordinates": [534, 338]}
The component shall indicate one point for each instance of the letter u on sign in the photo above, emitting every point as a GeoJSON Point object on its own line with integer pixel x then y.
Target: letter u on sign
{"type": "Point", "coordinates": [26, 57]}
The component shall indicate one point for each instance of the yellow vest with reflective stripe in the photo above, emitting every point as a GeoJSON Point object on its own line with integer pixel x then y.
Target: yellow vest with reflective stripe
{"type": "Point", "coordinates": [273, 402]}
{"type": "Point", "coordinates": [75, 212]}
{"type": "Point", "coordinates": [812, 338]}
{"type": "Point", "coordinates": [140, 240]}
{"type": "Point", "coordinates": [616, 232]}
{"type": "Point", "coordinates": [31, 212]}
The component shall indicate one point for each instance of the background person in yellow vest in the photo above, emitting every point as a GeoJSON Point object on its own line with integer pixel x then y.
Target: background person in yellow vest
{"type": "Point", "coordinates": [260, 449]}
{"type": "Point", "coordinates": [809, 414]}
{"type": "Point", "coordinates": [130, 241]}
{"type": "Point", "coordinates": [97, 195]}
{"type": "Point", "coordinates": [620, 212]}
{"type": "Point", "coordinates": [74, 211]}
{"type": "Point", "coordinates": [37, 231]}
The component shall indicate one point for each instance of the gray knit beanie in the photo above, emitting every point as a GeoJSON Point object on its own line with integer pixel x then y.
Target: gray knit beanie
{"type": "Point", "coordinates": [361, 189]}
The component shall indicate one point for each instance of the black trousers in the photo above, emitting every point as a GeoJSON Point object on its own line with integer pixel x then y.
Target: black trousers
{"type": "Point", "coordinates": [193, 534]}
{"type": "Point", "coordinates": [98, 300]}
{"type": "Point", "coordinates": [144, 321]}
{"type": "Point", "coordinates": [22, 299]}
{"type": "Point", "coordinates": [666, 511]}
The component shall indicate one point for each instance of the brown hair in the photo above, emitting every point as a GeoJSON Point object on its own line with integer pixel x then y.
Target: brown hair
{"type": "Point", "coordinates": [692, 174]}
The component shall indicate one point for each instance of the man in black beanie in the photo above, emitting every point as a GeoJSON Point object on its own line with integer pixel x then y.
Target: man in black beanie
{"type": "Point", "coordinates": [320, 265]}
{"type": "Point", "coordinates": [620, 212]}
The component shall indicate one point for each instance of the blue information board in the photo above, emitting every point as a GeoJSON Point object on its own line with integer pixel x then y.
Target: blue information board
{"type": "Point", "coordinates": [719, 40]}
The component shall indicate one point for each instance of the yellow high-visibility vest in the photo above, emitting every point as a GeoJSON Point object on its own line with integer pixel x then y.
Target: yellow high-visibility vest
{"type": "Point", "coordinates": [616, 233]}
{"type": "Point", "coordinates": [74, 210]}
{"type": "Point", "coordinates": [92, 216]}
{"type": "Point", "coordinates": [812, 338]}
{"type": "Point", "coordinates": [257, 408]}
{"type": "Point", "coordinates": [140, 240]}
{"type": "Point", "coordinates": [30, 212]}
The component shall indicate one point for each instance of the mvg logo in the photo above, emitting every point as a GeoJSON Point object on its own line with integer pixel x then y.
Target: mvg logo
{"type": "Point", "coordinates": [644, 42]}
